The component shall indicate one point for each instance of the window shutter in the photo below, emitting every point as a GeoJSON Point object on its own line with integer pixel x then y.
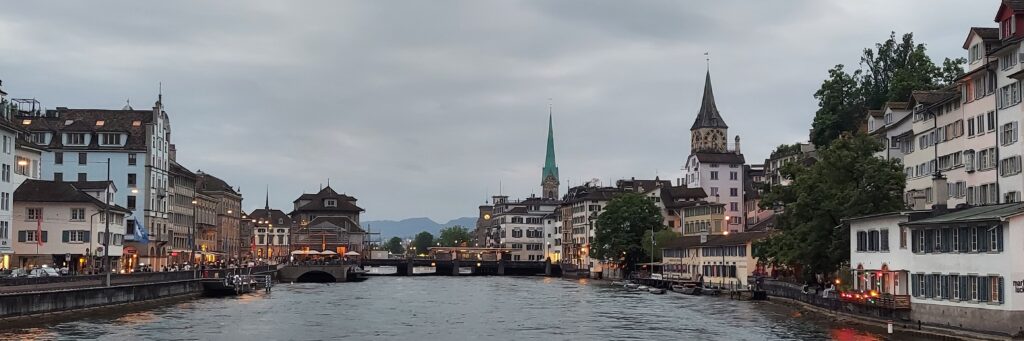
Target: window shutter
{"type": "Point", "coordinates": [983, 239]}
{"type": "Point", "coordinates": [45, 236]}
{"type": "Point", "coordinates": [1001, 290]}
{"type": "Point", "coordinates": [914, 287]}
{"type": "Point", "coordinates": [21, 236]}
{"type": "Point", "coordinates": [65, 236]}
{"type": "Point", "coordinates": [999, 237]}
{"type": "Point", "coordinates": [913, 241]}
{"type": "Point", "coordinates": [85, 236]}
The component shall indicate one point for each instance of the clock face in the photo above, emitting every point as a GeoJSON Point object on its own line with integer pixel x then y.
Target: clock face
{"type": "Point", "coordinates": [487, 216]}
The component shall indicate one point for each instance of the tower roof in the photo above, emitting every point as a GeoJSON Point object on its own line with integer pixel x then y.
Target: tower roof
{"type": "Point", "coordinates": [708, 116]}
{"type": "Point", "coordinates": [550, 168]}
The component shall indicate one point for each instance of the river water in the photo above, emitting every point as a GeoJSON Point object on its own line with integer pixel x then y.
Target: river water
{"type": "Point", "coordinates": [450, 308]}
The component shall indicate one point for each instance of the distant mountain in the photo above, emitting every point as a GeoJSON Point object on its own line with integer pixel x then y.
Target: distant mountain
{"type": "Point", "coordinates": [407, 228]}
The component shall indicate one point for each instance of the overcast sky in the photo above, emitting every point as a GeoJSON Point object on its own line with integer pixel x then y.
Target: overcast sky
{"type": "Point", "coordinates": [421, 108]}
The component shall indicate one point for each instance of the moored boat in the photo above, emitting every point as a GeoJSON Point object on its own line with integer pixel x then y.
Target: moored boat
{"type": "Point", "coordinates": [632, 286]}
{"type": "Point", "coordinates": [688, 289]}
{"type": "Point", "coordinates": [643, 287]}
{"type": "Point", "coordinates": [656, 291]}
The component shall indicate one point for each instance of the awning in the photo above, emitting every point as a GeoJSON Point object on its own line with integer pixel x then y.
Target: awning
{"type": "Point", "coordinates": [304, 252]}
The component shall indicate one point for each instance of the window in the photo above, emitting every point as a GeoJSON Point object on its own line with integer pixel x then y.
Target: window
{"type": "Point", "coordinates": [58, 158]}
{"type": "Point", "coordinates": [110, 139]}
{"type": "Point", "coordinates": [77, 214]}
{"type": "Point", "coordinates": [714, 175]}
{"type": "Point", "coordinates": [83, 158]}
{"type": "Point", "coordinates": [975, 53]}
{"type": "Point", "coordinates": [714, 191]}
{"type": "Point", "coordinates": [131, 179]}
{"type": "Point", "coordinates": [883, 241]}
{"type": "Point", "coordinates": [75, 139]}
{"type": "Point", "coordinates": [734, 192]}
{"type": "Point", "coordinates": [136, 123]}
{"type": "Point", "coordinates": [330, 203]}
{"type": "Point", "coordinates": [733, 206]}
{"type": "Point", "coordinates": [33, 214]}
{"type": "Point", "coordinates": [75, 236]}
{"type": "Point", "coordinates": [132, 159]}
{"type": "Point", "coordinates": [83, 177]}
{"type": "Point", "coordinates": [58, 177]}
{"type": "Point", "coordinates": [131, 202]}
{"type": "Point", "coordinates": [5, 174]}
{"type": "Point", "coordinates": [1008, 61]}
{"type": "Point", "coordinates": [733, 176]}
{"type": "Point", "coordinates": [991, 118]}
{"type": "Point", "coordinates": [1008, 135]}
{"type": "Point", "coordinates": [38, 138]}
{"type": "Point", "coordinates": [1009, 166]}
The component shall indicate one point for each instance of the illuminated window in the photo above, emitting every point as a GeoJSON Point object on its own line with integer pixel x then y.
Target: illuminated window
{"type": "Point", "coordinates": [136, 123]}
{"type": "Point", "coordinates": [99, 123]}
{"type": "Point", "coordinates": [26, 122]}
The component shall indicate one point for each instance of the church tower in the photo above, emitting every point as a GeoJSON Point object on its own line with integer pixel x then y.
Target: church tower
{"type": "Point", "coordinates": [549, 175]}
{"type": "Point", "coordinates": [709, 131]}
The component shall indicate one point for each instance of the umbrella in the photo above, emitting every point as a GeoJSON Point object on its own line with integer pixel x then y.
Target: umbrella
{"type": "Point", "coordinates": [303, 252]}
{"type": "Point", "coordinates": [328, 252]}
{"type": "Point", "coordinates": [351, 253]}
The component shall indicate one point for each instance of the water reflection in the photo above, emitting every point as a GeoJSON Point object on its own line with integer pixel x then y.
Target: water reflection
{"type": "Point", "coordinates": [431, 308]}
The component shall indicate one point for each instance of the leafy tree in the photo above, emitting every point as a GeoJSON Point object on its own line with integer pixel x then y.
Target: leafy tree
{"type": "Point", "coordinates": [422, 242]}
{"type": "Point", "coordinates": [661, 238]}
{"type": "Point", "coordinates": [889, 72]}
{"type": "Point", "coordinates": [621, 227]}
{"type": "Point", "coordinates": [394, 245]}
{"type": "Point", "coordinates": [454, 236]}
{"type": "Point", "coordinates": [846, 181]}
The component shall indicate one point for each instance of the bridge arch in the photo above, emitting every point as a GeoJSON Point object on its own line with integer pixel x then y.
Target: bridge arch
{"type": "Point", "coordinates": [316, 276]}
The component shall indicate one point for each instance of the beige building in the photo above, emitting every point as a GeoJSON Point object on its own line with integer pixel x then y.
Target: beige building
{"type": "Point", "coordinates": [228, 210]}
{"type": "Point", "coordinates": [717, 260]}
{"type": "Point", "coordinates": [704, 218]}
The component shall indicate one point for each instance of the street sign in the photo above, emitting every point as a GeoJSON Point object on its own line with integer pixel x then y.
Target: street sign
{"type": "Point", "coordinates": [130, 250]}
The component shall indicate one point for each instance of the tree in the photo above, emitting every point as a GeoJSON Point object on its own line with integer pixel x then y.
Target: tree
{"type": "Point", "coordinates": [661, 238]}
{"type": "Point", "coordinates": [889, 72]}
{"type": "Point", "coordinates": [454, 236]}
{"type": "Point", "coordinates": [621, 227]}
{"type": "Point", "coordinates": [846, 181]}
{"type": "Point", "coordinates": [394, 245]}
{"type": "Point", "coordinates": [422, 242]}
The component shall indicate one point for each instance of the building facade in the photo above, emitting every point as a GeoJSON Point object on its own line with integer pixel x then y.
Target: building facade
{"type": "Point", "coordinates": [326, 221]}
{"type": "Point", "coordinates": [228, 208]}
{"type": "Point", "coordinates": [723, 260]}
{"type": "Point", "coordinates": [181, 190]}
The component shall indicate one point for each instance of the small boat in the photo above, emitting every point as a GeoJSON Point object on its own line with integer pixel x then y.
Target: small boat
{"type": "Point", "coordinates": [632, 286]}
{"type": "Point", "coordinates": [229, 286]}
{"type": "Point", "coordinates": [656, 291]}
{"type": "Point", "coordinates": [643, 287]}
{"type": "Point", "coordinates": [618, 283]}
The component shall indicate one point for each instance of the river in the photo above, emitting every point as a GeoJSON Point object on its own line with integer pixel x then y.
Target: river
{"type": "Point", "coordinates": [450, 308]}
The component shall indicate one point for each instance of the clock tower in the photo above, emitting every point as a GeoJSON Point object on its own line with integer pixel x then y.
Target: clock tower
{"type": "Point", "coordinates": [709, 131]}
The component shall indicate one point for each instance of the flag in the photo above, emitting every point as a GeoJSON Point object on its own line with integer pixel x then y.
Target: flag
{"type": "Point", "coordinates": [39, 228]}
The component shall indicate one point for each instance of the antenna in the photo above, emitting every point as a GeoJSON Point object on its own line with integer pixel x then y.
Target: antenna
{"type": "Point", "coordinates": [707, 59]}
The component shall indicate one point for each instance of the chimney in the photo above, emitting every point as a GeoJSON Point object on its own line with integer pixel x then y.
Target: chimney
{"type": "Point", "coordinates": [940, 190]}
{"type": "Point", "coordinates": [172, 152]}
{"type": "Point", "coordinates": [737, 144]}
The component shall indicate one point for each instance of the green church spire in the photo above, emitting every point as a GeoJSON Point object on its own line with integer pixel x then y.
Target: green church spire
{"type": "Point", "coordinates": [550, 168]}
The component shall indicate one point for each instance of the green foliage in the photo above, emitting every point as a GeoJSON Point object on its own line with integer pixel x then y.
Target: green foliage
{"type": "Point", "coordinates": [785, 150]}
{"type": "Point", "coordinates": [422, 242]}
{"type": "Point", "coordinates": [394, 245]}
{"type": "Point", "coordinates": [454, 236]}
{"type": "Point", "coordinates": [889, 72]}
{"type": "Point", "coordinates": [847, 181]}
{"type": "Point", "coordinates": [621, 227]}
{"type": "Point", "coordinates": [661, 238]}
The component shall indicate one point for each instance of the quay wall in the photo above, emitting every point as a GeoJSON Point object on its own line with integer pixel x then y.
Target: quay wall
{"type": "Point", "coordinates": [45, 302]}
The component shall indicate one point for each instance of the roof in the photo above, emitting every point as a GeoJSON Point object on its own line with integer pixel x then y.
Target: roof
{"type": "Point", "coordinates": [339, 221]}
{"type": "Point", "coordinates": [591, 193]}
{"type": "Point", "coordinates": [642, 185]}
{"type": "Point", "coordinates": [84, 121]}
{"type": "Point", "coordinates": [178, 169]}
{"type": "Point", "coordinates": [209, 183]}
{"type": "Point", "coordinates": [550, 167]}
{"type": "Point", "coordinates": [767, 224]}
{"type": "Point", "coordinates": [274, 216]}
{"type": "Point", "coordinates": [896, 105]}
{"type": "Point", "coordinates": [926, 97]}
{"type": "Point", "coordinates": [345, 203]}
{"type": "Point", "coordinates": [92, 185]}
{"type": "Point", "coordinates": [974, 214]}
{"type": "Point", "coordinates": [737, 238]}
{"type": "Point", "coordinates": [726, 158]}
{"type": "Point", "coordinates": [58, 191]}
{"type": "Point", "coordinates": [986, 34]}
{"type": "Point", "coordinates": [687, 192]}
{"type": "Point", "coordinates": [708, 116]}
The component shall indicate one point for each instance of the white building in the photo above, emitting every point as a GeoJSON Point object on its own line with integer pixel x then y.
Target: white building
{"type": "Point", "coordinates": [977, 87]}
{"type": "Point", "coordinates": [62, 224]}
{"type": "Point", "coordinates": [958, 268]}
{"type": "Point", "coordinates": [553, 236]}
{"type": "Point", "coordinates": [936, 146]}
{"type": "Point", "coordinates": [712, 165]}
{"type": "Point", "coordinates": [19, 160]}
{"type": "Point", "coordinates": [580, 210]}
{"type": "Point", "coordinates": [724, 260]}
{"type": "Point", "coordinates": [136, 142]}
{"type": "Point", "coordinates": [520, 226]}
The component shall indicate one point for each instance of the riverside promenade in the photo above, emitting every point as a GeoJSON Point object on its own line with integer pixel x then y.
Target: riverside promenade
{"type": "Point", "coordinates": [26, 297]}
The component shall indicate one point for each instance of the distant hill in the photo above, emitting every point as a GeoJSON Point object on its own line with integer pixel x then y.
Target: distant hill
{"type": "Point", "coordinates": [407, 228]}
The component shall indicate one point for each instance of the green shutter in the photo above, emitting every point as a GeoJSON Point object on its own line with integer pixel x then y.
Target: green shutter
{"type": "Point", "coordinates": [45, 236]}
{"type": "Point", "coordinates": [65, 236]}
{"type": "Point", "coordinates": [1001, 290]}
{"type": "Point", "coordinates": [21, 236]}
{"type": "Point", "coordinates": [86, 236]}
{"type": "Point", "coordinates": [913, 240]}
{"type": "Point", "coordinates": [999, 233]}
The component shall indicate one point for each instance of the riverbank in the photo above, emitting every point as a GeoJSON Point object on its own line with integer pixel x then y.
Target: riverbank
{"type": "Point", "coordinates": [36, 320]}
{"type": "Point", "coordinates": [41, 303]}
{"type": "Point", "coordinates": [937, 333]}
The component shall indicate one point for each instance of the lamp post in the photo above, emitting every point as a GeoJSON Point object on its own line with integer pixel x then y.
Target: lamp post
{"type": "Point", "coordinates": [192, 235]}
{"type": "Point", "coordinates": [726, 233]}
{"type": "Point", "coordinates": [106, 228]}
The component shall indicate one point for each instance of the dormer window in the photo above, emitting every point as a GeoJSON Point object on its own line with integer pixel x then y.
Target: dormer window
{"type": "Point", "coordinates": [110, 139]}
{"type": "Point", "coordinates": [1007, 27]}
{"type": "Point", "coordinates": [100, 123]}
{"type": "Point", "coordinates": [26, 122]}
{"type": "Point", "coordinates": [330, 203]}
{"type": "Point", "coordinates": [69, 122]}
{"type": "Point", "coordinates": [136, 123]}
{"type": "Point", "coordinates": [75, 139]}
{"type": "Point", "coordinates": [975, 53]}
{"type": "Point", "coordinates": [39, 138]}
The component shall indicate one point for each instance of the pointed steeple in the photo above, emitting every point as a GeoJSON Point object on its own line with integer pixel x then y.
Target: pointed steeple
{"type": "Point", "coordinates": [550, 168]}
{"type": "Point", "coordinates": [708, 116]}
{"type": "Point", "coordinates": [268, 198]}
